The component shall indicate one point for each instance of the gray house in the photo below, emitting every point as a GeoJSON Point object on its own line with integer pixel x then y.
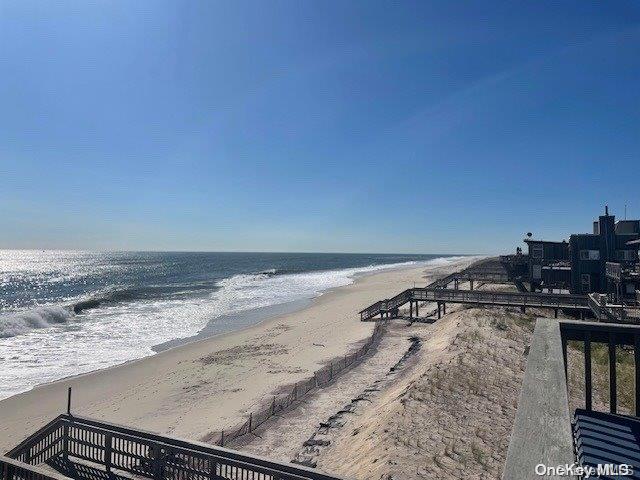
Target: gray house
{"type": "Point", "coordinates": [580, 264]}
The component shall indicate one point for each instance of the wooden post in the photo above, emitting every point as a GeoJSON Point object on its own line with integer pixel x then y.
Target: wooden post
{"type": "Point", "coordinates": [613, 393]}
{"type": "Point", "coordinates": [69, 401]}
{"type": "Point", "coordinates": [108, 447]}
{"type": "Point", "coordinates": [587, 370]}
{"type": "Point", "coordinates": [636, 360]}
{"type": "Point", "coordinates": [471, 284]}
{"type": "Point", "coordinates": [555, 313]}
{"type": "Point", "coordinates": [222, 438]}
{"type": "Point", "coordinates": [65, 442]}
{"type": "Point", "coordinates": [410, 308]}
{"type": "Point", "coordinates": [417, 311]}
{"type": "Point", "coordinates": [250, 421]}
{"type": "Point", "coordinates": [213, 469]}
{"type": "Point", "coordinates": [439, 312]}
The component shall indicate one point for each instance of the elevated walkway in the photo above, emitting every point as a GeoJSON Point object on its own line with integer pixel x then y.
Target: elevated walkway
{"type": "Point", "coordinates": [523, 300]}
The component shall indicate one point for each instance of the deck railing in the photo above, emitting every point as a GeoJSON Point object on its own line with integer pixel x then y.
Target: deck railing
{"type": "Point", "coordinates": [108, 447]}
{"type": "Point", "coordinates": [518, 299]}
{"type": "Point", "coordinates": [11, 469]}
{"type": "Point", "coordinates": [477, 297]}
{"type": "Point", "coordinates": [542, 429]}
{"type": "Point", "coordinates": [612, 335]}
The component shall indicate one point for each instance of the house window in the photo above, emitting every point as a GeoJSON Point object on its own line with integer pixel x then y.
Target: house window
{"type": "Point", "coordinates": [537, 272]}
{"type": "Point", "coordinates": [537, 251]}
{"type": "Point", "coordinates": [626, 255]}
{"type": "Point", "coordinates": [589, 254]}
{"type": "Point", "coordinates": [585, 281]}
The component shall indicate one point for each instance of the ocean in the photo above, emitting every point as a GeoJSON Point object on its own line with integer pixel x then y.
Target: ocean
{"type": "Point", "coordinates": [64, 313]}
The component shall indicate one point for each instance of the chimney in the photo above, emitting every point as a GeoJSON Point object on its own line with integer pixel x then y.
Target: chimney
{"type": "Point", "coordinates": [606, 210]}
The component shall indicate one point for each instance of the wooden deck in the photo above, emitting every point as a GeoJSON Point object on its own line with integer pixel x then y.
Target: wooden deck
{"type": "Point", "coordinates": [87, 449]}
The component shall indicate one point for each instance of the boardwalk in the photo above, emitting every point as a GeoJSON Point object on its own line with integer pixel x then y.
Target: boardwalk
{"type": "Point", "coordinates": [523, 300]}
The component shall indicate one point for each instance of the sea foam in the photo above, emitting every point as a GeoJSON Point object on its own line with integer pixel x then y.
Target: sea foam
{"type": "Point", "coordinates": [17, 323]}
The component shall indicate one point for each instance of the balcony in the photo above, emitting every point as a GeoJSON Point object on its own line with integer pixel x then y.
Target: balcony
{"type": "Point", "coordinates": [546, 432]}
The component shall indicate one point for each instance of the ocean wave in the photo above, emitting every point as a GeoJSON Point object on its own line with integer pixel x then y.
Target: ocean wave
{"type": "Point", "coordinates": [131, 294]}
{"type": "Point", "coordinates": [18, 323]}
{"type": "Point", "coordinates": [244, 292]}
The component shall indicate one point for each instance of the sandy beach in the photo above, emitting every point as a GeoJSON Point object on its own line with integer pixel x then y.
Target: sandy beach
{"type": "Point", "coordinates": [201, 387]}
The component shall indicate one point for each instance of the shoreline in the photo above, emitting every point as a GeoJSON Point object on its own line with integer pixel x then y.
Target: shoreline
{"type": "Point", "coordinates": [269, 312]}
{"type": "Point", "coordinates": [174, 392]}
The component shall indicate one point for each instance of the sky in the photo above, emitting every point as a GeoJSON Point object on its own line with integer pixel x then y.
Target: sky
{"type": "Point", "coordinates": [340, 126]}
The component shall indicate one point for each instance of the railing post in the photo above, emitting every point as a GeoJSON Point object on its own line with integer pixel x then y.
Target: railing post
{"type": "Point", "coordinates": [563, 340]}
{"type": "Point", "coordinates": [613, 389]}
{"type": "Point", "coordinates": [636, 365]}
{"type": "Point", "coordinates": [65, 441]}
{"type": "Point", "coordinates": [108, 448]}
{"type": "Point", "coordinates": [157, 460]}
{"type": "Point", "coordinates": [213, 469]}
{"type": "Point", "coordinates": [587, 370]}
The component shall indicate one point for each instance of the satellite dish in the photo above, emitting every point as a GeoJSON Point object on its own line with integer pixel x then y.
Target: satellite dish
{"type": "Point", "coordinates": [529, 234]}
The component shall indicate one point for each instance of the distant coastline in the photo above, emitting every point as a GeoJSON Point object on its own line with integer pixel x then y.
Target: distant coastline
{"type": "Point", "coordinates": [154, 307]}
{"type": "Point", "coordinates": [247, 364]}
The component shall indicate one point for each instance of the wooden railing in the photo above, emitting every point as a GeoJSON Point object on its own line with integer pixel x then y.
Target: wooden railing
{"type": "Point", "coordinates": [542, 428]}
{"type": "Point", "coordinates": [478, 297]}
{"type": "Point", "coordinates": [516, 299]}
{"type": "Point", "coordinates": [612, 313]}
{"type": "Point", "coordinates": [613, 335]}
{"type": "Point", "coordinates": [11, 469]}
{"type": "Point", "coordinates": [113, 447]}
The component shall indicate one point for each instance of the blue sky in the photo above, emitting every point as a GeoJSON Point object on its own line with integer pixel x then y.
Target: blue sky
{"type": "Point", "coordinates": [429, 127]}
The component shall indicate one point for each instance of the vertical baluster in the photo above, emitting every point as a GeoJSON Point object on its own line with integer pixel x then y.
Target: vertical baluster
{"type": "Point", "coordinates": [613, 389]}
{"type": "Point", "coordinates": [65, 441]}
{"type": "Point", "coordinates": [636, 362]}
{"type": "Point", "coordinates": [587, 370]}
{"type": "Point", "coordinates": [564, 356]}
{"type": "Point", "coordinates": [108, 447]}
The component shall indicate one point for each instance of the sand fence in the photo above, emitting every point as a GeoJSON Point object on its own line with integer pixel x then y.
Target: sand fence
{"type": "Point", "coordinates": [297, 391]}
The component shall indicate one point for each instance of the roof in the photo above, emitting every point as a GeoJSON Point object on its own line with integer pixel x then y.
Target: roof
{"type": "Point", "coordinates": [531, 240]}
{"type": "Point", "coordinates": [634, 242]}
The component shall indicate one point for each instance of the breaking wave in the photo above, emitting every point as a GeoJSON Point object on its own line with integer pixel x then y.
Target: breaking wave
{"type": "Point", "coordinates": [12, 324]}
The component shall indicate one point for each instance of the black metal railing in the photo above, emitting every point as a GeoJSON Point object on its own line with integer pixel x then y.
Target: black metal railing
{"type": "Point", "coordinates": [612, 336]}
{"type": "Point", "coordinates": [11, 469]}
{"type": "Point", "coordinates": [108, 447]}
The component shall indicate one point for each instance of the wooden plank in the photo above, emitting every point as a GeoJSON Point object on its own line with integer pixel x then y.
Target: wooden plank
{"type": "Point", "coordinates": [542, 429]}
